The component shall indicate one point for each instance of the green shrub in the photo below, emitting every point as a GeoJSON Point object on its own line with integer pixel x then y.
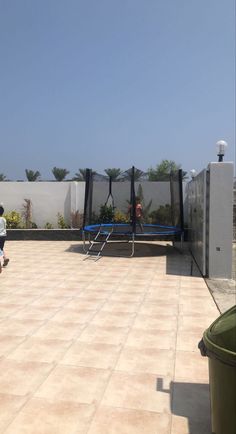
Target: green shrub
{"type": "Point", "coordinates": [120, 217]}
{"type": "Point", "coordinates": [48, 226]}
{"type": "Point", "coordinates": [162, 215]}
{"type": "Point", "coordinates": [13, 219]}
{"type": "Point", "coordinates": [61, 222]}
{"type": "Point", "coordinates": [106, 214]}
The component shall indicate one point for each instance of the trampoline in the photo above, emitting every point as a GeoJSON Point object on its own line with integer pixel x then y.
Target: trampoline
{"type": "Point", "coordinates": [107, 201]}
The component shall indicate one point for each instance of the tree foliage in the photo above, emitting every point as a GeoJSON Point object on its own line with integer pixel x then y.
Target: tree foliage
{"type": "Point", "coordinates": [59, 173]}
{"type": "Point", "coordinates": [31, 175]}
{"type": "Point", "coordinates": [163, 170]}
{"type": "Point", "coordinates": [2, 177]}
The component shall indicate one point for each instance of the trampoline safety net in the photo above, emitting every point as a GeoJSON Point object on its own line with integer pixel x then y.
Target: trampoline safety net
{"type": "Point", "coordinates": [134, 206]}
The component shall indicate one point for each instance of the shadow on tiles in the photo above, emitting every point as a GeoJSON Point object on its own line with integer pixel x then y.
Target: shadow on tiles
{"type": "Point", "coordinates": [190, 401]}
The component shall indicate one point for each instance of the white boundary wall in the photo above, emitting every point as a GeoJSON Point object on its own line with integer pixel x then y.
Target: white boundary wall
{"type": "Point", "coordinates": [48, 199]}
{"type": "Point", "coordinates": [210, 219]}
{"type": "Point", "coordinates": [197, 219]}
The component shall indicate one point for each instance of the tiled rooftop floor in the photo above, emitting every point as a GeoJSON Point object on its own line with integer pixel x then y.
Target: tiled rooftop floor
{"type": "Point", "coordinates": [106, 347]}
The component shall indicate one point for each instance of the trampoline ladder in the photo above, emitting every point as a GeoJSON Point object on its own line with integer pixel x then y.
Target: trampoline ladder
{"type": "Point", "coordinates": [96, 254]}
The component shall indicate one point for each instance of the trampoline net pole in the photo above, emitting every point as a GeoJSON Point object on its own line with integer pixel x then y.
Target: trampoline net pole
{"type": "Point", "coordinates": [133, 201]}
{"type": "Point", "coordinates": [88, 198]}
{"type": "Point", "coordinates": [181, 199]}
{"type": "Point", "coordinates": [110, 199]}
{"type": "Point", "coordinates": [172, 193]}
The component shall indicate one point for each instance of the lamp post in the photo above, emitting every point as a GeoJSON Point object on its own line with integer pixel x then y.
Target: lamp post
{"type": "Point", "coordinates": [221, 147]}
{"type": "Point", "coordinates": [193, 173]}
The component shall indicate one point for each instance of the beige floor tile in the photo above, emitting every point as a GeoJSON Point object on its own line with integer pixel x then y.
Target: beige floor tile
{"type": "Point", "coordinates": [74, 315]}
{"type": "Point", "coordinates": [194, 305]}
{"type": "Point", "coordinates": [83, 303]}
{"type": "Point", "coordinates": [77, 384]}
{"type": "Point", "coordinates": [188, 340]}
{"type": "Point", "coordinates": [119, 306]}
{"type": "Point", "coordinates": [159, 307]}
{"type": "Point", "coordinates": [180, 425]}
{"type": "Point", "coordinates": [115, 319]}
{"type": "Point", "coordinates": [43, 417]}
{"type": "Point", "coordinates": [19, 327]}
{"type": "Point", "coordinates": [136, 391]}
{"type": "Point", "coordinates": [95, 294]}
{"type": "Point", "coordinates": [10, 406]}
{"type": "Point", "coordinates": [109, 420]}
{"type": "Point", "coordinates": [40, 350]}
{"type": "Point", "coordinates": [196, 322]}
{"type": "Point", "coordinates": [129, 297]}
{"type": "Point", "coordinates": [160, 322]}
{"type": "Point", "coordinates": [162, 295]}
{"type": "Point", "coordinates": [36, 312]}
{"type": "Point", "coordinates": [149, 360]}
{"type": "Point", "coordinates": [59, 330]}
{"type": "Point", "coordinates": [9, 343]}
{"type": "Point", "coordinates": [104, 281]}
{"type": "Point", "coordinates": [18, 298]}
{"type": "Point", "coordinates": [186, 291]}
{"type": "Point", "coordinates": [71, 285]}
{"type": "Point", "coordinates": [129, 288]}
{"type": "Point", "coordinates": [101, 286]}
{"type": "Point", "coordinates": [9, 309]}
{"type": "Point", "coordinates": [20, 378]}
{"type": "Point", "coordinates": [151, 338]}
{"type": "Point", "coordinates": [191, 365]}
{"type": "Point", "coordinates": [107, 335]}
{"type": "Point", "coordinates": [95, 355]}
{"type": "Point", "coordinates": [65, 292]}
{"type": "Point", "coordinates": [49, 300]}
{"type": "Point", "coordinates": [194, 282]}
{"type": "Point", "coordinates": [165, 283]}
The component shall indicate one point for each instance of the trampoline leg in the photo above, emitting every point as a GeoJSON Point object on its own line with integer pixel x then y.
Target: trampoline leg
{"type": "Point", "coordinates": [132, 253]}
{"type": "Point", "coordinates": [85, 249]}
{"type": "Point", "coordinates": [84, 241]}
{"type": "Point", "coordinates": [182, 242]}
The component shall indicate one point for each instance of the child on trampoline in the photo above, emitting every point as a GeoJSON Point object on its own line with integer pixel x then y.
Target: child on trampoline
{"type": "Point", "coordinates": [138, 213]}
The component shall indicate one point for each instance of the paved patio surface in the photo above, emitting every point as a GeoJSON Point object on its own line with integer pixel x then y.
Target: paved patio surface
{"type": "Point", "coordinates": [106, 347]}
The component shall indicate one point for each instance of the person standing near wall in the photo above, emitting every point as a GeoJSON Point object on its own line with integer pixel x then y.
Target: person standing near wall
{"type": "Point", "coordinates": [3, 234]}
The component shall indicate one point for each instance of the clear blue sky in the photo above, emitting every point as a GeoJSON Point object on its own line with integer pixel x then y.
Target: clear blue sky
{"type": "Point", "coordinates": [114, 83]}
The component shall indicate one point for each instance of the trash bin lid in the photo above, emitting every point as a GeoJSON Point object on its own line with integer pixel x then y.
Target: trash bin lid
{"type": "Point", "coordinates": [220, 337]}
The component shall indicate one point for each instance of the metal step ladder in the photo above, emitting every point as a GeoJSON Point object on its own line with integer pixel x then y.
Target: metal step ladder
{"type": "Point", "coordinates": [96, 253]}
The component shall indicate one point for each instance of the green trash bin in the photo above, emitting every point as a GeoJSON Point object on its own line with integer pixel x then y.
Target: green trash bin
{"type": "Point", "coordinates": [219, 344]}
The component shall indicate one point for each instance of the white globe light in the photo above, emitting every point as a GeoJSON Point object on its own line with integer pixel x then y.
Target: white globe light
{"type": "Point", "coordinates": [193, 173]}
{"type": "Point", "coordinates": [221, 146]}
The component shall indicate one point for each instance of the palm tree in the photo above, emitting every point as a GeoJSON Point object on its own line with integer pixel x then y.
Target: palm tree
{"type": "Point", "coordinates": [59, 173]}
{"type": "Point", "coordinates": [81, 175]}
{"type": "Point", "coordinates": [2, 177]}
{"type": "Point", "coordinates": [31, 175]}
{"type": "Point", "coordinates": [113, 173]}
{"type": "Point", "coordinates": [138, 174]}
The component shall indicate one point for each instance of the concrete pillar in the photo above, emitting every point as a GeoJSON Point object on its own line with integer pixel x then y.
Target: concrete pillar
{"type": "Point", "coordinates": [219, 234]}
